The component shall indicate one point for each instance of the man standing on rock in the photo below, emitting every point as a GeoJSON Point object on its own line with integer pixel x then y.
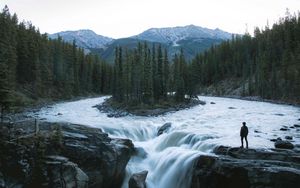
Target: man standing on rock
{"type": "Point", "coordinates": [244, 134]}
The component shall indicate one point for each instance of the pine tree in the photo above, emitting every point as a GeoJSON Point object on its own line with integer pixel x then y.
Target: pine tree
{"type": "Point", "coordinates": [166, 74]}
{"type": "Point", "coordinates": [8, 57]}
{"type": "Point", "coordinates": [127, 76]}
{"type": "Point", "coordinates": [180, 78]}
{"type": "Point", "coordinates": [154, 72]}
{"type": "Point", "coordinates": [147, 80]}
{"type": "Point", "coordinates": [159, 74]}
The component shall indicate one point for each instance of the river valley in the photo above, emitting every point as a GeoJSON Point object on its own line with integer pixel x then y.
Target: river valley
{"type": "Point", "coordinates": [168, 158]}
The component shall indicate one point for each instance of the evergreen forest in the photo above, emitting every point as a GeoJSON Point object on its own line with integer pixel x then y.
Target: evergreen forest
{"type": "Point", "coordinates": [266, 65]}
{"type": "Point", "coordinates": [146, 75]}
{"type": "Point", "coordinates": [34, 67]}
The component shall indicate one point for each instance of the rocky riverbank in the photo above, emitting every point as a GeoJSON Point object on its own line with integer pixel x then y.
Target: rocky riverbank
{"type": "Point", "coordinates": [61, 155]}
{"type": "Point", "coordinates": [243, 168]}
{"type": "Point", "coordinates": [233, 88]}
{"type": "Point", "coordinates": [113, 109]}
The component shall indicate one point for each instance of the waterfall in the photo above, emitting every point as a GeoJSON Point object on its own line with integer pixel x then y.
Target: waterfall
{"type": "Point", "coordinates": [169, 158]}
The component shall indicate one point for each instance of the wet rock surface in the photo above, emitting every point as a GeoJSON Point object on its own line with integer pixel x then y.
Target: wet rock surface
{"type": "Point", "coordinates": [63, 173]}
{"type": "Point", "coordinates": [284, 144]}
{"type": "Point", "coordinates": [288, 137]}
{"type": "Point", "coordinates": [255, 168]}
{"type": "Point", "coordinates": [284, 129]}
{"type": "Point", "coordinates": [62, 155]}
{"type": "Point", "coordinates": [137, 180]}
{"type": "Point", "coordinates": [164, 128]}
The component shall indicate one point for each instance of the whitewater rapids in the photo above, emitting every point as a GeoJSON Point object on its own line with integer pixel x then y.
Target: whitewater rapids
{"type": "Point", "coordinates": [168, 158]}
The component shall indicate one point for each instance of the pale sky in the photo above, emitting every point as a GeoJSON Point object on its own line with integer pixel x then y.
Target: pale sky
{"type": "Point", "coordinates": [124, 18]}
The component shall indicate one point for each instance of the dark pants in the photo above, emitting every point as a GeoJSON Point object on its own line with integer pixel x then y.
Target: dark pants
{"type": "Point", "coordinates": [242, 138]}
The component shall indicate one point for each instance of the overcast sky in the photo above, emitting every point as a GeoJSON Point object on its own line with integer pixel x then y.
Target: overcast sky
{"type": "Point", "coordinates": [123, 18]}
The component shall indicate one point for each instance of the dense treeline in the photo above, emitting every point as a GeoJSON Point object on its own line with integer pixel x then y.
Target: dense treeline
{"type": "Point", "coordinates": [33, 67]}
{"type": "Point", "coordinates": [145, 75]}
{"type": "Point", "coordinates": [268, 64]}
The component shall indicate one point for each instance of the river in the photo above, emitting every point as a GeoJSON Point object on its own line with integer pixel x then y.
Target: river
{"type": "Point", "coordinates": [195, 131]}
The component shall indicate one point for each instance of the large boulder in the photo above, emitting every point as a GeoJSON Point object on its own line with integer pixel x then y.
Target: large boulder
{"type": "Point", "coordinates": [296, 125]}
{"type": "Point", "coordinates": [137, 180]}
{"type": "Point", "coordinates": [105, 159]}
{"type": "Point", "coordinates": [63, 173]}
{"type": "Point", "coordinates": [239, 168]}
{"type": "Point", "coordinates": [164, 128]}
{"type": "Point", "coordinates": [283, 144]}
{"type": "Point", "coordinates": [211, 172]}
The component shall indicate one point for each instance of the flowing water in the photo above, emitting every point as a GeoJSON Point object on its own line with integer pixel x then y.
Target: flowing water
{"type": "Point", "coordinates": [168, 158]}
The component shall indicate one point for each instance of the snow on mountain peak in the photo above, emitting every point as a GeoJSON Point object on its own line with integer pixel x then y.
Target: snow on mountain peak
{"type": "Point", "coordinates": [84, 38]}
{"type": "Point", "coordinates": [175, 34]}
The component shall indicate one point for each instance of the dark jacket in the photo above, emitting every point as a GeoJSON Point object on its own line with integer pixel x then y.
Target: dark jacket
{"type": "Point", "coordinates": [244, 131]}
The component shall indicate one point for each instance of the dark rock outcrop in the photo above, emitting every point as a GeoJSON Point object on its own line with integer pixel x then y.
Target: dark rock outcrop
{"type": "Point", "coordinates": [137, 180]}
{"type": "Point", "coordinates": [243, 168]}
{"type": "Point", "coordinates": [284, 129]}
{"type": "Point", "coordinates": [76, 155]}
{"type": "Point", "coordinates": [164, 128]}
{"type": "Point", "coordinates": [283, 144]}
{"type": "Point", "coordinates": [63, 173]}
{"type": "Point", "coordinates": [279, 114]}
{"type": "Point", "coordinates": [288, 137]}
{"type": "Point", "coordinates": [274, 140]}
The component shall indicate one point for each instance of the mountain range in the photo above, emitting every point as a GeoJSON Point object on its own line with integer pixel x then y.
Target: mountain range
{"type": "Point", "coordinates": [86, 39]}
{"type": "Point", "coordinates": [191, 39]}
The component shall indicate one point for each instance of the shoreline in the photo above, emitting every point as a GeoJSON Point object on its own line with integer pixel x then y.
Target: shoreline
{"type": "Point", "coordinates": [254, 98]}
{"type": "Point", "coordinates": [24, 112]}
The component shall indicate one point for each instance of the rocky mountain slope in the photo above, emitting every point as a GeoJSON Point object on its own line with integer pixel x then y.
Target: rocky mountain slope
{"type": "Point", "coordinates": [191, 39]}
{"type": "Point", "coordinates": [84, 38]}
{"type": "Point", "coordinates": [173, 35]}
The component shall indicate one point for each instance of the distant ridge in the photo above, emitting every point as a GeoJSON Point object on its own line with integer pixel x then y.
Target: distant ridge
{"type": "Point", "coordinates": [84, 38]}
{"type": "Point", "coordinates": [192, 39]}
{"type": "Point", "coordinates": [175, 34]}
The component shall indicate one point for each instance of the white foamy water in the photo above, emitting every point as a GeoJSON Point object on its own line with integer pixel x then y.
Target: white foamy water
{"type": "Point", "coordinates": [195, 131]}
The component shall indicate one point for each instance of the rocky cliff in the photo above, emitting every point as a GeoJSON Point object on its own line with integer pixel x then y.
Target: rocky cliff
{"type": "Point", "coordinates": [61, 155]}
